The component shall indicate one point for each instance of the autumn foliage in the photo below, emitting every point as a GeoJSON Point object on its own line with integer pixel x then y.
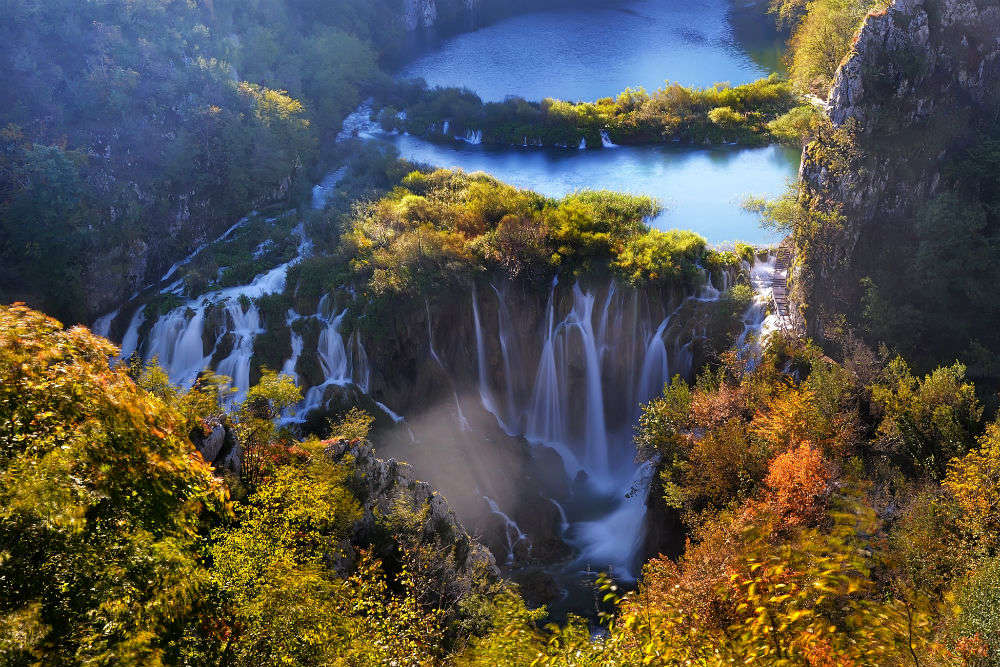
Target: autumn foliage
{"type": "Point", "coordinates": [797, 486]}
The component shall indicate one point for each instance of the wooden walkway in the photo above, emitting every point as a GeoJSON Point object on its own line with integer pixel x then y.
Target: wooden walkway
{"type": "Point", "coordinates": [779, 283]}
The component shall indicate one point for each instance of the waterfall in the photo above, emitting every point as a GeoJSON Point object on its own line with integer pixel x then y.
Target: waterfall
{"type": "Point", "coordinates": [606, 140]}
{"type": "Point", "coordinates": [462, 421]}
{"type": "Point", "coordinates": [563, 520]}
{"type": "Point", "coordinates": [342, 362]}
{"type": "Point", "coordinates": [756, 322]}
{"type": "Point", "coordinates": [361, 370]}
{"type": "Point", "coordinates": [178, 339]}
{"type": "Point", "coordinates": [655, 366]}
{"type": "Point", "coordinates": [288, 368]}
{"type": "Point", "coordinates": [508, 351]}
{"type": "Point", "coordinates": [596, 436]}
{"type": "Point", "coordinates": [131, 339]}
{"type": "Point", "coordinates": [222, 237]}
{"type": "Point", "coordinates": [392, 415]}
{"type": "Point", "coordinates": [601, 356]}
{"type": "Point", "coordinates": [176, 342]}
{"type": "Point", "coordinates": [445, 127]}
{"type": "Point", "coordinates": [545, 417]}
{"type": "Point", "coordinates": [359, 124]}
{"type": "Point", "coordinates": [485, 393]}
{"type": "Point", "coordinates": [583, 143]}
{"type": "Point", "coordinates": [547, 422]}
{"type": "Point", "coordinates": [333, 353]}
{"type": "Point", "coordinates": [244, 325]}
{"type": "Point", "coordinates": [511, 529]}
{"type": "Point", "coordinates": [612, 541]}
{"type": "Point", "coordinates": [472, 137]}
{"type": "Point", "coordinates": [430, 336]}
{"type": "Point", "coordinates": [103, 324]}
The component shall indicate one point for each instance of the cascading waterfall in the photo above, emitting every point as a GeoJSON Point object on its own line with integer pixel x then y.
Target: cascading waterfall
{"type": "Point", "coordinates": [288, 368]}
{"type": "Point", "coordinates": [656, 366]}
{"type": "Point", "coordinates": [545, 422]}
{"type": "Point", "coordinates": [103, 324]}
{"type": "Point", "coordinates": [244, 325]}
{"type": "Point", "coordinates": [333, 353]}
{"type": "Point", "coordinates": [186, 339]}
{"type": "Point", "coordinates": [580, 321]}
{"type": "Point", "coordinates": [131, 339]}
{"type": "Point", "coordinates": [333, 359]}
{"type": "Point", "coordinates": [472, 137]}
{"type": "Point", "coordinates": [603, 352]}
{"type": "Point", "coordinates": [176, 341]}
{"type": "Point", "coordinates": [392, 415]}
{"type": "Point", "coordinates": [508, 350]}
{"type": "Point", "coordinates": [597, 365]}
{"type": "Point", "coordinates": [606, 140]}
{"type": "Point", "coordinates": [757, 324]}
{"type": "Point", "coordinates": [563, 519]}
{"type": "Point", "coordinates": [361, 371]}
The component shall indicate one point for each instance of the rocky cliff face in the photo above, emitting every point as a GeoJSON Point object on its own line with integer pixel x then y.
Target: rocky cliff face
{"type": "Point", "coordinates": [386, 486]}
{"type": "Point", "coordinates": [923, 76]}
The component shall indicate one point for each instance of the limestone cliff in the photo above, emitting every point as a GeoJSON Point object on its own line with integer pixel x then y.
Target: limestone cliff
{"type": "Point", "coordinates": [386, 487]}
{"type": "Point", "coordinates": [921, 82]}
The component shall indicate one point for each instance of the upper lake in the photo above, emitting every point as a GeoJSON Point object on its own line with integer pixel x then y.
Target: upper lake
{"type": "Point", "coordinates": [589, 52]}
{"type": "Point", "coordinates": [597, 50]}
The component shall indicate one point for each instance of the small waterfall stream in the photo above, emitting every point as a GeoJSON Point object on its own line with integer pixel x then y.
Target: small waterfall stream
{"type": "Point", "coordinates": [463, 422]}
{"type": "Point", "coordinates": [511, 529]}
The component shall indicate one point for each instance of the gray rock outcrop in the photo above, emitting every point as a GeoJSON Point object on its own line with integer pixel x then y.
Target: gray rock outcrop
{"type": "Point", "coordinates": [921, 77]}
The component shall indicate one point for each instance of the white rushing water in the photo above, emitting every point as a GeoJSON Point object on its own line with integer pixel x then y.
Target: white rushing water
{"type": "Point", "coordinates": [758, 323]}
{"type": "Point", "coordinates": [601, 357]}
{"type": "Point", "coordinates": [511, 530]}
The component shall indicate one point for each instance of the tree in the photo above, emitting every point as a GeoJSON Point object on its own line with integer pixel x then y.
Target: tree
{"type": "Point", "coordinates": [978, 627]}
{"type": "Point", "coordinates": [821, 41]}
{"type": "Point", "coordinates": [281, 601]}
{"type": "Point", "coordinates": [797, 486]}
{"type": "Point", "coordinates": [102, 498]}
{"type": "Point", "coordinates": [256, 422]}
{"type": "Point", "coordinates": [973, 481]}
{"type": "Point", "coordinates": [926, 422]}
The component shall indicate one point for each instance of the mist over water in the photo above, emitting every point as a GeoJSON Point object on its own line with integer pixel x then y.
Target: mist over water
{"type": "Point", "coordinates": [585, 53]}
